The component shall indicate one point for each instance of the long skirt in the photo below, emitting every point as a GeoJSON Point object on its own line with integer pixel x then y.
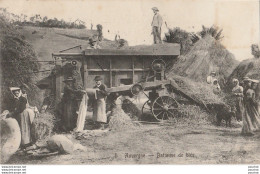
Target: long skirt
{"type": "Point", "coordinates": [99, 111]}
{"type": "Point", "coordinates": [251, 119]}
{"type": "Point", "coordinates": [69, 115]}
{"type": "Point", "coordinates": [239, 108]}
{"type": "Point", "coordinates": [25, 127]}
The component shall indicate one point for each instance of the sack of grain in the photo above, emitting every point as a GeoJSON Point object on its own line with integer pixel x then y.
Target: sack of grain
{"type": "Point", "coordinates": [10, 138]}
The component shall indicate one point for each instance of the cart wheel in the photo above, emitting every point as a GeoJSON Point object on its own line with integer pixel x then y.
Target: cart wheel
{"type": "Point", "coordinates": [164, 107]}
{"type": "Point", "coordinates": [146, 107]}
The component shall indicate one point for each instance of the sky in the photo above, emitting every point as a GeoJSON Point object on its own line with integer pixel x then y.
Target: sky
{"type": "Point", "coordinates": [131, 19]}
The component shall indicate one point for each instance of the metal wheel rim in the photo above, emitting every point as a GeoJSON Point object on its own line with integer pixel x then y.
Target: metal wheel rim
{"type": "Point", "coordinates": [143, 107]}
{"type": "Point", "coordinates": [163, 108]}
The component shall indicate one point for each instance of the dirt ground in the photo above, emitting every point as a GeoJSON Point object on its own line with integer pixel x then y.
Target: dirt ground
{"type": "Point", "coordinates": [162, 144]}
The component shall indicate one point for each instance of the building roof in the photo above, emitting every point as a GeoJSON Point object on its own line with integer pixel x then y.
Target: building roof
{"type": "Point", "coordinates": [157, 49]}
{"type": "Point", "coordinates": [152, 50]}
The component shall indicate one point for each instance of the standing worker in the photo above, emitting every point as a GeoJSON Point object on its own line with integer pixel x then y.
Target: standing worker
{"type": "Point", "coordinates": [156, 25]}
{"type": "Point", "coordinates": [70, 104]}
{"type": "Point", "coordinates": [99, 105]}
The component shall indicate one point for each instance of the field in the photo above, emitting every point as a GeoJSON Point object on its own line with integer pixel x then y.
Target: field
{"type": "Point", "coordinates": [46, 41]}
{"type": "Point", "coordinates": [161, 144]}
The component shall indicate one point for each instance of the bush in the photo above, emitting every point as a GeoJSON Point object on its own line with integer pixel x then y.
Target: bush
{"type": "Point", "coordinates": [18, 64]}
{"type": "Point", "coordinates": [181, 37]}
{"type": "Point", "coordinates": [212, 31]}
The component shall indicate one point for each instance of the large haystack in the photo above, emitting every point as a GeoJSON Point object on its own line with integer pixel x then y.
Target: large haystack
{"type": "Point", "coordinates": [205, 56]}
{"type": "Point", "coordinates": [249, 68]}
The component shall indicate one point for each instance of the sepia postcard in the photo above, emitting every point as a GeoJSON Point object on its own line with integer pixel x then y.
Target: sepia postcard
{"type": "Point", "coordinates": [129, 82]}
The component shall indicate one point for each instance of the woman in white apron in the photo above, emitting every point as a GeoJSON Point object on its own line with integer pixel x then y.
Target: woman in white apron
{"type": "Point", "coordinates": [99, 105]}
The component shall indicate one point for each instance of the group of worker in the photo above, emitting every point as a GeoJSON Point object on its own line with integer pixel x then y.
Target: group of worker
{"type": "Point", "coordinates": [72, 99]}
{"type": "Point", "coordinates": [245, 97]}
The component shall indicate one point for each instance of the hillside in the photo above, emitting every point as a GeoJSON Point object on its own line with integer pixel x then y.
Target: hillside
{"type": "Point", "coordinates": [205, 56]}
{"type": "Point", "coordinates": [50, 40]}
{"type": "Point", "coordinates": [46, 41]}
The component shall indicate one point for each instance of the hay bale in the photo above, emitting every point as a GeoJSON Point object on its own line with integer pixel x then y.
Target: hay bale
{"type": "Point", "coordinates": [42, 126]}
{"type": "Point", "coordinates": [119, 120]}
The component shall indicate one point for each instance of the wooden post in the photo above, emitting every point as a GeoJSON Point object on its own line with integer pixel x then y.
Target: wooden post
{"type": "Point", "coordinates": [110, 72]}
{"type": "Point", "coordinates": [59, 79]}
{"type": "Point", "coordinates": [85, 66]}
{"type": "Point", "coordinates": [133, 70]}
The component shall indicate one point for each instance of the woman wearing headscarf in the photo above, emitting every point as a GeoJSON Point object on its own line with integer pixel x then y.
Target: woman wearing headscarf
{"type": "Point", "coordinates": [19, 112]}
{"type": "Point", "coordinates": [251, 118]}
{"type": "Point", "coordinates": [99, 105]}
{"type": "Point", "coordinates": [237, 93]}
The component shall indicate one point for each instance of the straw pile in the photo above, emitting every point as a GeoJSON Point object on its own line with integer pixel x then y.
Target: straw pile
{"type": "Point", "coordinates": [119, 120]}
{"type": "Point", "coordinates": [198, 90]}
{"type": "Point", "coordinates": [131, 109]}
{"type": "Point", "coordinates": [43, 126]}
{"type": "Point", "coordinates": [193, 114]}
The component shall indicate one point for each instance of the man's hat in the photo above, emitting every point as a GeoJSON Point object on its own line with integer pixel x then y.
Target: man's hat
{"type": "Point", "coordinates": [213, 72]}
{"type": "Point", "coordinates": [254, 81]}
{"type": "Point", "coordinates": [14, 89]}
{"type": "Point", "coordinates": [246, 79]}
{"type": "Point", "coordinates": [68, 79]}
{"type": "Point", "coordinates": [98, 78]}
{"type": "Point", "coordinates": [155, 9]}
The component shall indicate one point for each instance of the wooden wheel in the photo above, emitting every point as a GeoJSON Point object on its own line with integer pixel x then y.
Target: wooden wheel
{"type": "Point", "coordinates": [164, 107]}
{"type": "Point", "coordinates": [146, 107]}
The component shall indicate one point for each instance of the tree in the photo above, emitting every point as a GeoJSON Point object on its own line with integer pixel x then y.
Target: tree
{"type": "Point", "coordinates": [213, 31]}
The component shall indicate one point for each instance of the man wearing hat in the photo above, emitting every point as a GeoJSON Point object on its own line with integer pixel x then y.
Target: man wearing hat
{"type": "Point", "coordinates": [246, 84]}
{"type": "Point", "coordinates": [99, 105]}
{"type": "Point", "coordinates": [94, 43]}
{"type": "Point", "coordinates": [70, 104]}
{"type": "Point", "coordinates": [156, 25]}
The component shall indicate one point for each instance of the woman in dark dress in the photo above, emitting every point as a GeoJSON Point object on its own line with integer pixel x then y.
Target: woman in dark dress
{"type": "Point", "coordinates": [70, 104]}
{"type": "Point", "coordinates": [19, 112]}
